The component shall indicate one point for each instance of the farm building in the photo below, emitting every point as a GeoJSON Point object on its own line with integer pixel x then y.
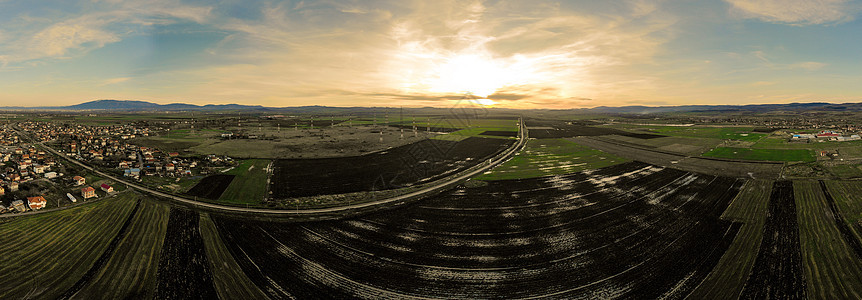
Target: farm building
{"type": "Point", "coordinates": [37, 202]}
{"type": "Point", "coordinates": [828, 134]}
{"type": "Point", "coordinates": [88, 192]}
{"type": "Point", "coordinates": [79, 180]}
{"type": "Point", "coordinates": [18, 205]}
{"type": "Point", "coordinates": [107, 188]}
{"type": "Point", "coordinates": [71, 198]}
{"type": "Point", "coordinates": [51, 175]}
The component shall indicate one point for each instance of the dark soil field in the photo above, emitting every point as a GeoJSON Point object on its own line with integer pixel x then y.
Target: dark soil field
{"type": "Point", "coordinates": [631, 230]}
{"type": "Point", "coordinates": [500, 133]}
{"type": "Point", "coordinates": [419, 162]}
{"type": "Point", "coordinates": [777, 272]}
{"type": "Point", "coordinates": [184, 271]}
{"type": "Point", "coordinates": [211, 187]}
{"type": "Point", "coordinates": [575, 129]}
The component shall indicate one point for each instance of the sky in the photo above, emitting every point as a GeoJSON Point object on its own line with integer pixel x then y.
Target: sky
{"type": "Point", "coordinates": [516, 54]}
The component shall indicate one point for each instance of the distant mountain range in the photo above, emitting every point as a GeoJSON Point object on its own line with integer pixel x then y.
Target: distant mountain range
{"type": "Point", "coordinates": [142, 106]}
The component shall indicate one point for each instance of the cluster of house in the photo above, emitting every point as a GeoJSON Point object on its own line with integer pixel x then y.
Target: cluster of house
{"type": "Point", "coordinates": [32, 203]}
{"type": "Point", "coordinates": [106, 146]}
{"type": "Point", "coordinates": [8, 137]}
{"type": "Point", "coordinates": [49, 131]}
{"type": "Point", "coordinates": [23, 164]}
{"type": "Point", "coordinates": [830, 135]}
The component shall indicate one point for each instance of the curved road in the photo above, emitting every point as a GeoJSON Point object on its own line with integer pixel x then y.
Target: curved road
{"type": "Point", "coordinates": [305, 212]}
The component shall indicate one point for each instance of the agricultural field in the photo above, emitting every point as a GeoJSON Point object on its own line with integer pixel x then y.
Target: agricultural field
{"type": "Point", "coordinates": [211, 187]}
{"type": "Point", "coordinates": [398, 167]}
{"type": "Point", "coordinates": [544, 157]}
{"type": "Point", "coordinates": [183, 268]}
{"type": "Point", "coordinates": [749, 208]}
{"type": "Point", "coordinates": [283, 142]}
{"type": "Point", "coordinates": [724, 133]}
{"type": "Point", "coordinates": [762, 154]}
{"type": "Point", "coordinates": [629, 230]}
{"type": "Point", "coordinates": [683, 145]}
{"type": "Point", "coordinates": [832, 256]}
{"type": "Point", "coordinates": [703, 165]}
{"type": "Point", "coordinates": [131, 270]}
{"type": "Point", "coordinates": [249, 183]}
{"type": "Point", "coordinates": [229, 280]}
{"type": "Point", "coordinates": [56, 249]}
{"type": "Point", "coordinates": [848, 202]}
{"type": "Point", "coordinates": [778, 269]}
{"type": "Point", "coordinates": [545, 129]}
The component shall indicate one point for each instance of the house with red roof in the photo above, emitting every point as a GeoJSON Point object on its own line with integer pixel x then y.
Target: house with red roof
{"type": "Point", "coordinates": [88, 192]}
{"type": "Point", "coordinates": [37, 202]}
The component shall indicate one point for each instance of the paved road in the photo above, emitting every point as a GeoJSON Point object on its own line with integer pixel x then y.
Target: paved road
{"type": "Point", "coordinates": [306, 212]}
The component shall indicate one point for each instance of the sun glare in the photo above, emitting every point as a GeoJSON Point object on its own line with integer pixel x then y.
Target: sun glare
{"type": "Point", "coordinates": [475, 74]}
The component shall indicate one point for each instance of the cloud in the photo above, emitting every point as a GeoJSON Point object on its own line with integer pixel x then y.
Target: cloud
{"type": "Point", "coordinates": [58, 39]}
{"type": "Point", "coordinates": [808, 65]}
{"type": "Point", "coordinates": [116, 80]}
{"type": "Point", "coordinates": [76, 33]}
{"type": "Point", "coordinates": [796, 12]}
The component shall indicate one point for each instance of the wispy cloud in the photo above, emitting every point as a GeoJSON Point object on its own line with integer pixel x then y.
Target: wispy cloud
{"type": "Point", "coordinates": [797, 12]}
{"type": "Point", "coordinates": [115, 80]}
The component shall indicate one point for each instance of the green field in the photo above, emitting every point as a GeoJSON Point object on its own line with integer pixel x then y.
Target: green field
{"type": "Point", "coordinates": [249, 185]}
{"type": "Point", "coordinates": [846, 171]}
{"type": "Point", "coordinates": [728, 277]}
{"type": "Point", "coordinates": [131, 270]}
{"type": "Point", "coordinates": [543, 157]}
{"type": "Point", "coordinates": [229, 279]}
{"type": "Point", "coordinates": [45, 254]}
{"type": "Point", "coordinates": [832, 269]}
{"type": "Point", "coordinates": [762, 154]}
{"type": "Point", "coordinates": [848, 198]}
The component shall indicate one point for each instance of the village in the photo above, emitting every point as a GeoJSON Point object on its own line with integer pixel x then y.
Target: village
{"type": "Point", "coordinates": [32, 178]}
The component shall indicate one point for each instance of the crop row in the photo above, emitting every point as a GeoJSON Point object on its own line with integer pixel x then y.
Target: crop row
{"type": "Point", "coordinates": [398, 167]}
{"type": "Point", "coordinates": [624, 231]}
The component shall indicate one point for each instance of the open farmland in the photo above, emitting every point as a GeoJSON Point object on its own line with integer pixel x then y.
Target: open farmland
{"type": "Point", "coordinates": [183, 270]}
{"type": "Point", "coordinates": [713, 132]}
{"type": "Point", "coordinates": [749, 208]}
{"type": "Point", "coordinates": [282, 142]}
{"type": "Point", "coordinates": [630, 230]}
{"type": "Point", "coordinates": [229, 280]}
{"type": "Point", "coordinates": [705, 165]}
{"type": "Point", "coordinates": [249, 182]}
{"type": "Point", "coordinates": [545, 129]}
{"type": "Point", "coordinates": [762, 154]}
{"type": "Point", "coordinates": [833, 268]}
{"type": "Point", "coordinates": [211, 187]}
{"type": "Point", "coordinates": [848, 201]}
{"type": "Point", "coordinates": [403, 166]}
{"type": "Point", "coordinates": [778, 269]}
{"type": "Point", "coordinates": [131, 270]}
{"type": "Point", "coordinates": [543, 157]}
{"type": "Point", "coordinates": [73, 239]}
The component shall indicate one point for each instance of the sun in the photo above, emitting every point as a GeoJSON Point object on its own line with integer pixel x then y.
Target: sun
{"type": "Point", "coordinates": [479, 75]}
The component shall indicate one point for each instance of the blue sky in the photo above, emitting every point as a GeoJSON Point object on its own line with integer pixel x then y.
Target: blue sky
{"type": "Point", "coordinates": [526, 54]}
